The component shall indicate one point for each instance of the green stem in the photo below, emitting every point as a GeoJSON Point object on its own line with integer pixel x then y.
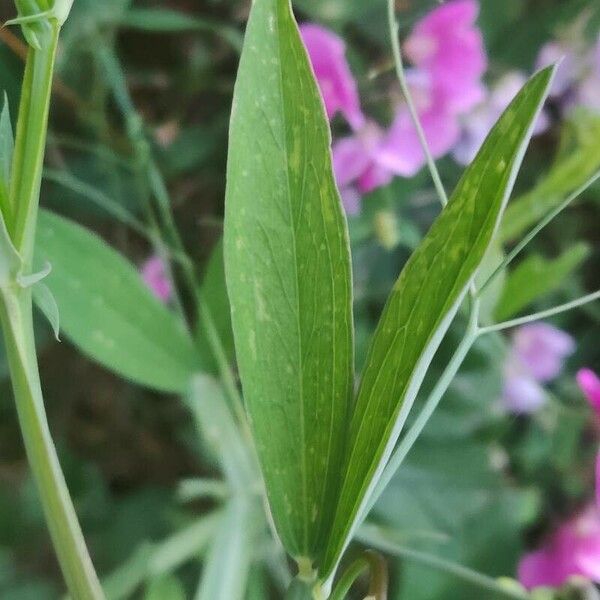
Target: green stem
{"type": "Point", "coordinates": [16, 313]}
{"type": "Point", "coordinates": [17, 326]}
{"type": "Point", "coordinates": [544, 314]}
{"type": "Point", "coordinates": [372, 563]}
{"type": "Point", "coordinates": [30, 141]}
{"type": "Point", "coordinates": [534, 232]}
{"type": "Point", "coordinates": [397, 52]}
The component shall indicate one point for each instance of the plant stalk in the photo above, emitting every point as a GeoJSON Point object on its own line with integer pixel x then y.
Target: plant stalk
{"type": "Point", "coordinates": [17, 326]}
{"type": "Point", "coordinates": [16, 311]}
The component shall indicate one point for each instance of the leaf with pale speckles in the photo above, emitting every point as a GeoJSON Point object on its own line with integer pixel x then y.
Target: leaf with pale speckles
{"type": "Point", "coordinates": [423, 303]}
{"type": "Point", "coordinates": [107, 311]}
{"type": "Point", "coordinates": [288, 275]}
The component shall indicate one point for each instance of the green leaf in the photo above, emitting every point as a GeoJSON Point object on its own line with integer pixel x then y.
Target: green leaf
{"type": "Point", "coordinates": [228, 562]}
{"type": "Point", "coordinates": [107, 311]}
{"type": "Point", "coordinates": [165, 588]}
{"type": "Point", "coordinates": [423, 303]}
{"type": "Point", "coordinates": [215, 421]}
{"type": "Point", "coordinates": [214, 294]}
{"type": "Point", "coordinates": [163, 20]}
{"type": "Point", "coordinates": [46, 302]}
{"type": "Point", "coordinates": [536, 277]}
{"type": "Point", "coordinates": [567, 175]}
{"type": "Point", "coordinates": [6, 153]}
{"type": "Point", "coordinates": [287, 262]}
{"type": "Point", "coordinates": [163, 558]}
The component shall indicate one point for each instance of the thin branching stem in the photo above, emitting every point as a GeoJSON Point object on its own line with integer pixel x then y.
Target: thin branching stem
{"type": "Point", "coordinates": [401, 73]}
{"type": "Point", "coordinates": [536, 230]}
{"type": "Point", "coordinates": [544, 314]}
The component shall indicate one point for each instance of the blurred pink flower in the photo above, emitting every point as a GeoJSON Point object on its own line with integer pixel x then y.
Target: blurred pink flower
{"type": "Point", "coordinates": [327, 53]}
{"type": "Point", "coordinates": [542, 349]}
{"type": "Point", "coordinates": [449, 59]}
{"type": "Point", "coordinates": [573, 550]}
{"type": "Point", "coordinates": [356, 160]}
{"type": "Point", "coordinates": [479, 122]}
{"type": "Point", "coordinates": [589, 383]}
{"type": "Point", "coordinates": [448, 46]}
{"type": "Point", "coordinates": [598, 480]}
{"type": "Point", "coordinates": [401, 151]}
{"type": "Point", "coordinates": [155, 277]}
{"type": "Point", "coordinates": [537, 356]}
{"type": "Point", "coordinates": [589, 91]}
{"type": "Point", "coordinates": [577, 82]}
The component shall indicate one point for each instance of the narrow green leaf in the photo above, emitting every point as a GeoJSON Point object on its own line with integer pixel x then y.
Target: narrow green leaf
{"type": "Point", "coordinates": [215, 421]}
{"type": "Point", "coordinates": [228, 562]}
{"type": "Point", "coordinates": [214, 294]}
{"type": "Point", "coordinates": [6, 153]}
{"type": "Point", "coordinates": [536, 277]}
{"type": "Point", "coordinates": [161, 20]}
{"type": "Point", "coordinates": [424, 302]}
{"type": "Point", "coordinates": [107, 311]}
{"type": "Point", "coordinates": [46, 302]}
{"type": "Point", "coordinates": [156, 560]}
{"type": "Point", "coordinates": [288, 274]}
{"type": "Point", "coordinates": [165, 588]}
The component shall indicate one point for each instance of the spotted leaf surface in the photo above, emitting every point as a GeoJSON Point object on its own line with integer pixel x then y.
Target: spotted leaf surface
{"type": "Point", "coordinates": [107, 311]}
{"type": "Point", "coordinates": [423, 303]}
{"type": "Point", "coordinates": [288, 275]}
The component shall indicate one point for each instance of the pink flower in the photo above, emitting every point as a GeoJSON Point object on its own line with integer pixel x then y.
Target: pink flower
{"type": "Point", "coordinates": [449, 47]}
{"type": "Point", "coordinates": [327, 54]}
{"type": "Point", "coordinates": [577, 82]}
{"type": "Point", "coordinates": [479, 122]}
{"type": "Point", "coordinates": [589, 383]}
{"type": "Point", "coordinates": [537, 356]}
{"type": "Point", "coordinates": [357, 164]}
{"type": "Point", "coordinates": [589, 91]}
{"type": "Point", "coordinates": [449, 59]}
{"type": "Point", "coordinates": [542, 350]}
{"type": "Point", "coordinates": [598, 480]}
{"type": "Point", "coordinates": [155, 277]}
{"type": "Point", "coordinates": [573, 550]}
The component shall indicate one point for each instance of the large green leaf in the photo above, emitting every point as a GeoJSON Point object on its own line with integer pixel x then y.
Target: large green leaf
{"type": "Point", "coordinates": [537, 276]}
{"type": "Point", "coordinates": [423, 303]}
{"type": "Point", "coordinates": [107, 311]}
{"type": "Point", "coordinates": [288, 274]}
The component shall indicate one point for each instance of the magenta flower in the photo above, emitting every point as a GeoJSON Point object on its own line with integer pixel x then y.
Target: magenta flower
{"type": "Point", "coordinates": [573, 550]}
{"type": "Point", "coordinates": [589, 383]}
{"type": "Point", "coordinates": [449, 59]}
{"type": "Point", "coordinates": [327, 54]}
{"type": "Point", "coordinates": [537, 356]}
{"type": "Point", "coordinates": [449, 47]}
{"type": "Point", "coordinates": [156, 278]}
{"type": "Point", "coordinates": [356, 160]}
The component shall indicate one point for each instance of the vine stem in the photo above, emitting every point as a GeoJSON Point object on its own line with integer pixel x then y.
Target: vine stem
{"type": "Point", "coordinates": [16, 316]}
{"type": "Point", "coordinates": [401, 74]}
{"type": "Point", "coordinates": [544, 314]}
{"type": "Point", "coordinates": [17, 326]}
